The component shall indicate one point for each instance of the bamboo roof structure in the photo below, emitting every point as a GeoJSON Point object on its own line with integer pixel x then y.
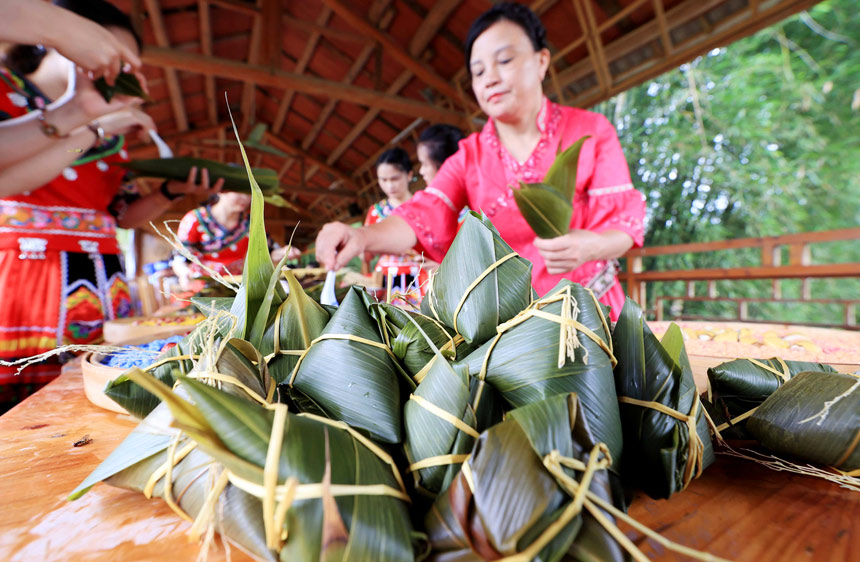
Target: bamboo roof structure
{"type": "Point", "coordinates": [337, 82]}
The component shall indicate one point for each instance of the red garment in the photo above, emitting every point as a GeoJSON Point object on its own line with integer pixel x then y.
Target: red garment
{"type": "Point", "coordinates": [60, 273]}
{"type": "Point", "coordinates": [407, 266]}
{"type": "Point", "coordinates": [482, 174]}
{"type": "Point", "coordinates": [216, 246]}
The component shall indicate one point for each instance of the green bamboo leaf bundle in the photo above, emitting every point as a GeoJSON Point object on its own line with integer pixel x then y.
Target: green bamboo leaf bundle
{"type": "Point", "coordinates": [146, 451]}
{"type": "Point", "coordinates": [236, 358]}
{"type": "Point", "coordinates": [326, 491]}
{"type": "Point", "coordinates": [559, 344]}
{"type": "Point", "coordinates": [352, 375]}
{"type": "Point", "coordinates": [737, 387]}
{"type": "Point", "coordinates": [299, 320]}
{"type": "Point", "coordinates": [480, 284]}
{"type": "Point", "coordinates": [666, 436]}
{"type": "Point", "coordinates": [235, 177]}
{"type": "Point", "coordinates": [414, 338]}
{"type": "Point", "coordinates": [816, 417]}
{"type": "Point", "coordinates": [530, 489]}
{"type": "Point", "coordinates": [125, 84]}
{"type": "Point", "coordinates": [140, 462]}
{"type": "Point", "coordinates": [440, 427]}
{"type": "Point", "coordinates": [548, 206]}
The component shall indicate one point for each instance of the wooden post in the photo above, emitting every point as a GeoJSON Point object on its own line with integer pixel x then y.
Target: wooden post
{"type": "Point", "coordinates": [851, 314]}
{"type": "Point", "coordinates": [712, 289]}
{"type": "Point", "coordinates": [743, 311]}
{"type": "Point", "coordinates": [691, 288]}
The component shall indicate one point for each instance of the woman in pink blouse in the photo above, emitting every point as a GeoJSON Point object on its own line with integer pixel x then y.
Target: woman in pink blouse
{"type": "Point", "coordinates": [507, 59]}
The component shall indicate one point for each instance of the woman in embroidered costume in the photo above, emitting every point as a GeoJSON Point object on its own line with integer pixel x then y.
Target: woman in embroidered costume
{"type": "Point", "coordinates": [61, 199]}
{"type": "Point", "coordinates": [507, 59]}
{"type": "Point", "coordinates": [217, 234]}
{"type": "Point", "coordinates": [394, 173]}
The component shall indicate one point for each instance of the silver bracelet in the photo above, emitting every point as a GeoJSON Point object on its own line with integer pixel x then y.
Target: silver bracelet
{"type": "Point", "coordinates": [100, 133]}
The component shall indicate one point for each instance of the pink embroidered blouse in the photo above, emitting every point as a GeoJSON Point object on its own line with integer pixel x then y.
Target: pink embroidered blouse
{"type": "Point", "coordinates": [482, 175]}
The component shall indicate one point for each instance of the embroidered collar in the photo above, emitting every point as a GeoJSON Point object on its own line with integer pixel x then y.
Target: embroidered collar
{"type": "Point", "coordinates": [218, 233]}
{"type": "Point", "coordinates": [548, 120]}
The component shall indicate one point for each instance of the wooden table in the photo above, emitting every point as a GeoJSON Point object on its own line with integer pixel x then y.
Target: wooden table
{"type": "Point", "coordinates": [737, 510]}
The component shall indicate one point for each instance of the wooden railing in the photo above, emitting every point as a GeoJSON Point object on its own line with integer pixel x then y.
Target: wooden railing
{"type": "Point", "coordinates": [770, 266]}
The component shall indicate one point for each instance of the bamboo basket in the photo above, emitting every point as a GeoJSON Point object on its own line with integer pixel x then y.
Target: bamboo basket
{"type": "Point", "coordinates": [96, 375]}
{"type": "Point", "coordinates": [124, 330]}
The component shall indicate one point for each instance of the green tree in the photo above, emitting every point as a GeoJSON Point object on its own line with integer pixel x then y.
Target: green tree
{"type": "Point", "coordinates": [758, 138]}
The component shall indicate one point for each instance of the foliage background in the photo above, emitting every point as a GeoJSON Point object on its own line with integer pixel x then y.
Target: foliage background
{"type": "Point", "coordinates": [758, 138]}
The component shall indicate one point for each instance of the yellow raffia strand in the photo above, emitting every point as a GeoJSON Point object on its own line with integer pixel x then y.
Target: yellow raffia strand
{"type": "Point", "coordinates": [466, 469]}
{"type": "Point", "coordinates": [477, 282]}
{"type": "Point", "coordinates": [270, 475]}
{"type": "Point", "coordinates": [848, 452]}
{"type": "Point", "coordinates": [784, 375]}
{"type": "Point", "coordinates": [583, 498]}
{"type": "Point", "coordinates": [166, 360]}
{"type": "Point", "coordinates": [846, 480]}
{"type": "Point", "coordinates": [166, 471]}
{"type": "Point", "coordinates": [207, 511]}
{"type": "Point", "coordinates": [373, 447]}
{"type": "Point", "coordinates": [206, 376]}
{"type": "Point", "coordinates": [347, 337]}
{"type": "Point", "coordinates": [173, 458]}
{"type": "Point", "coordinates": [568, 327]}
{"type": "Point", "coordinates": [444, 415]}
{"type": "Point", "coordinates": [440, 460]}
{"type": "Point", "coordinates": [732, 422]}
{"type": "Point", "coordinates": [419, 376]}
{"type": "Point", "coordinates": [695, 446]}
{"type": "Point", "coordinates": [430, 296]}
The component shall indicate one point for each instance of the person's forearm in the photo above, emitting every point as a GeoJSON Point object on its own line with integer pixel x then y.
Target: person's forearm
{"type": "Point", "coordinates": [147, 208]}
{"type": "Point", "coordinates": [26, 21]}
{"type": "Point", "coordinates": [34, 172]}
{"type": "Point", "coordinates": [24, 138]}
{"type": "Point", "coordinates": [613, 244]}
{"type": "Point", "coordinates": [390, 236]}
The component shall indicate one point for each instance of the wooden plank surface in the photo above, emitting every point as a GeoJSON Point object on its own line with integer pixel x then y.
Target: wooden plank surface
{"type": "Point", "coordinates": [737, 510]}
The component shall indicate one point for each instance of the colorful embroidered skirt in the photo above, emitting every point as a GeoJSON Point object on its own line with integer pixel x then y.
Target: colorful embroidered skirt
{"type": "Point", "coordinates": [62, 299]}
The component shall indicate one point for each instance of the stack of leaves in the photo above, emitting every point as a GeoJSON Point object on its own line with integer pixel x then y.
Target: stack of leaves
{"type": "Point", "coordinates": [737, 387]}
{"type": "Point", "coordinates": [158, 461]}
{"type": "Point", "coordinates": [535, 487]}
{"type": "Point", "coordinates": [559, 344]}
{"type": "Point", "coordinates": [816, 417]}
{"type": "Point", "coordinates": [351, 375]}
{"type": "Point", "coordinates": [480, 284]}
{"type": "Point", "coordinates": [548, 205]}
{"type": "Point", "coordinates": [666, 435]}
{"type": "Point", "coordinates": [125, 84]}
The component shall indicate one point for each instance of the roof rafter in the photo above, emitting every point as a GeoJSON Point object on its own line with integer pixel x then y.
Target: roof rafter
{"type": "Point", "coordinates": [160, 32]}
{"type": "Point", "coordinates": [236, 70]}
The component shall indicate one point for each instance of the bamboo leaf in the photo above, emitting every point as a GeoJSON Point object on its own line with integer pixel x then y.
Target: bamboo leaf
{"type": "Point", "coordinates": [562, 173]}
{"type": "Point", "coordinates": [235, 177]}
{"type": "Point", "coordinates": [125, 84]}
{"type": "Point", "coordinates": [546, 210]}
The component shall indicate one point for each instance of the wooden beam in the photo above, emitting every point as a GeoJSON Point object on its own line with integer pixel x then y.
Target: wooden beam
{"type": "Point", "coordinates": [249, 89]}
{"type": "Point", "coordinates": [660, 14]}
{"type": "Point", "coordinates": [301, 65]}
{"type": "Point", "coordinates": [237, 70]}
{"type": "Point", "coordinates": [756, 272]}
{"type": "Point", "coordinates": [247, 8]}
{"type": "Point", "coordinates": [150, 150]}
{"type": "Point", "coordinates": [272, 31]}
{"type": "Point", "coordinates": [324, 30]}
{"type": "Point", "coordinates": [205, 21]}
{"type": "Point", "coordinates": [587, 22]}
{"type": "Point", "coordinates": [322, 191]}
{"type": "Point", "coordinates": [160, 31]}
{"type": "Point", "coordinates": [398, 84]}
{"type": "Point", "coordinates": [284, 146]}
{"type": "Point", "coordinates": [435, 18]}
{"type": "Point", "coordinates": [351, 75]}
{"type": "Point", "coordinates": [692, 48]}
{"type": "Point", "coordinates": [394, 50]}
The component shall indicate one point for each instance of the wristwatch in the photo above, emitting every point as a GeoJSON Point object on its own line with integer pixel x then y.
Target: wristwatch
{"type": "Point", "coordinates": [166, 192]}
{"type": "Point", "coordinates": [99, 132]}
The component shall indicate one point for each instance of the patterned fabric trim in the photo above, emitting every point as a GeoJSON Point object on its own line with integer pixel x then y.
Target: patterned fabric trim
{"type": "Point", "coordinates": [32, 219]}
{"type": "Point", "coordinates": [220, 237]}
{"type": "Point", "coordinates": [597, 192]}
{"type": "Point", "coordinates": [441, 195]}
{"type": "Point", "coordinates": [604, 279]}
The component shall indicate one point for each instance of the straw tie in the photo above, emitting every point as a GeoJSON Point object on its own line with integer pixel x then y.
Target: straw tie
{"type": "Point", "coordinates": [695, 446]}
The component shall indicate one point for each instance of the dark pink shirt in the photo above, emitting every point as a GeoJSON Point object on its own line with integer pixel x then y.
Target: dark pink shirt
{"type": "Point", "coordinates": [482, 175]}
